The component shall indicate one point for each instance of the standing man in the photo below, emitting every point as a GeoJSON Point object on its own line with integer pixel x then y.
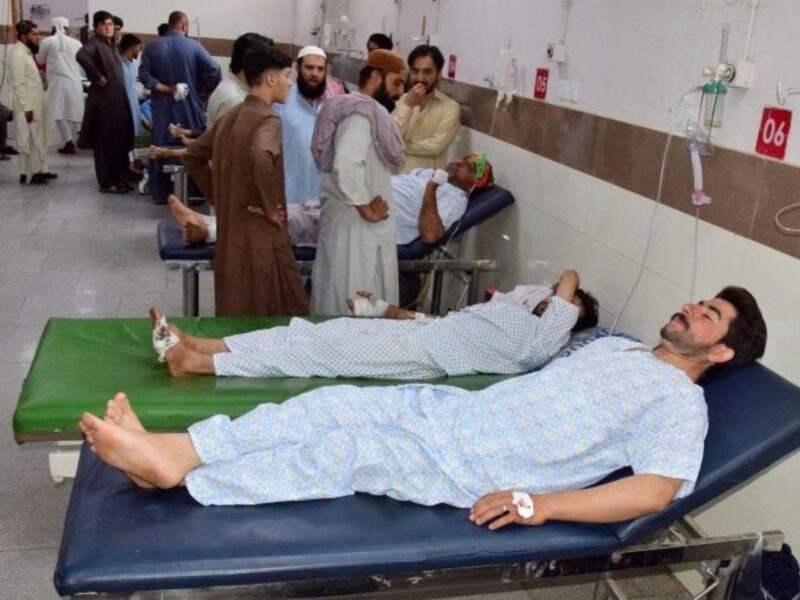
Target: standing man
{"type": "Point", "coordinates": [64, 97]}
{"type": "Point", "coordinates": [379, 41]}
{"type": "Point", "coordinates": [427, 119]}
{"type": "Point", "coordinates": [356, 146]}
{"type": "Point", "coordinates": [27, 102]}
{"type": "Point", "coordinates": [107, 122]}
{"type": "Point", "coordinates": [129, 48]}
{"type": "Point", "coordinates": [254, 268]}
{"type": "Point", "coordinates": [177, 70]}
{"type": "Point", "coordinates": [299, 115]}
{"type": "Point", "coordinates": [233, 89]}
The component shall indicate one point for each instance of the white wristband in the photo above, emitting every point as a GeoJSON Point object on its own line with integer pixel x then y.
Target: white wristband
{"type": "Point", "coordinates": [524, 504]}
{"type": "Point", "coordinates": [369, 307]}
{"type": "Point", "coordinates": [163, 338]}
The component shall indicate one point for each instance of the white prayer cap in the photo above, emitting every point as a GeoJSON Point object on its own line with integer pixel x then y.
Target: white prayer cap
{"type": "Point", "coordinates": [59, 22]}
{"type": "Point", "coordinates": [312, 50]}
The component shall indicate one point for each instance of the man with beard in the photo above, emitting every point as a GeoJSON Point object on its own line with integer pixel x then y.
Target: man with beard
{"type": "Point", "coordinates": [526, 450]}
{"type": "Point", "coordinates": [356, 146]}
{"type": "Point", "coordinates": [107, 121]}
{"type": "Point", "coordinates": [299, 115]}
{"type": "Point", "coordinates": [27, 103]}
{"type": "Point", "coordinates": [427, 119]}
{"type": "Point", "coordinates": [254, 268]}
{"type": "Point", "coordinates": [64, 86]}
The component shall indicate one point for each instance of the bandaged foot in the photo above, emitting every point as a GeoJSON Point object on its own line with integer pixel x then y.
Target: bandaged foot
{"type": "Point", "coordinates": [367, 304]}
{"type": "Point", "coordinates": [163, 337]}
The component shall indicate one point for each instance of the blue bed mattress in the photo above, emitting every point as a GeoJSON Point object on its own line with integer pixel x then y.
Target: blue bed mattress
{"type": "Point", "coordinates": [118, 538]}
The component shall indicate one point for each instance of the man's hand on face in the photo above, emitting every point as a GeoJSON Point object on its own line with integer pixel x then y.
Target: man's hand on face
{"type": "Point", "coordinates": [416, 95]}
{"type": "Point", "coordinates": [498, 510]}
{"type": "Point", "coordinates": [28, 116]}
{"type": "Point", "coordinates": [376, 210]}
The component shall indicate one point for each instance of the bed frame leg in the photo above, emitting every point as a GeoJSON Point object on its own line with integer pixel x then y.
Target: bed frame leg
{"type": "Point", "coordinates": [436, 295]}
{"type": "Point", "coordinates": [191, 296]}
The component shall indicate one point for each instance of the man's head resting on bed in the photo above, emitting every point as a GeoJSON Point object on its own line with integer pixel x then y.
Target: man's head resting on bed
{"type": "Point", "coordinates": [727, 331]}
{"type": "Point", "coordinates": [471, 172]}
{"type": "Point", "coordinates": [588, 307]}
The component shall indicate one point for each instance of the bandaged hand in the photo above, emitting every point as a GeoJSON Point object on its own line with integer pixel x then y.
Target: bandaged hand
{"type": "Point", "coordinates": [499, 509]}
{"type": "Point", "coordinates": [163, 338]}
{"type": "Point", "coordinates": [367, 304]}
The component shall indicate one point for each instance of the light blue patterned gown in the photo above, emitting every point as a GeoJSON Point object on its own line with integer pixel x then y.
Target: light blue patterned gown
{"type": "Point", "coordinates": [607, 406]}
{"type": "Point", "coordinates": [485, 338]}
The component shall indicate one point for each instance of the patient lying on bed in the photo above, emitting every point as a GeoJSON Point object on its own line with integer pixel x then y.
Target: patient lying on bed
{"type": "Point", "coordinates": [423, 207]}
{"type": "Point", "coordinates": [521, 451]}
{"type": "Point", "coordinates": [514, 334]}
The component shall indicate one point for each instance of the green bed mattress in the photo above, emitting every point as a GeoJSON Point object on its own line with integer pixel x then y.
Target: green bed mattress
{"type": "Point", "coordinates": [81, 363]}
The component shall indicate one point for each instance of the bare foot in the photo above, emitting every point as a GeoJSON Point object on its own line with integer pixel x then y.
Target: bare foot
{"type": "Point", "coordinates": [193, 233]}
{"type": "Point", "coordinates": [120, 412]}
{"type": "Point", "coordinates": [184, 361]}
{"type": "Point", "coordinates": [183, 214]}
{"type": "Point", "coordinates": [160, 459]}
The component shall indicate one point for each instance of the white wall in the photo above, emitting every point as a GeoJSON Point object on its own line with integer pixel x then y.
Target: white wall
{"type": "Point", "coordinates": [274, 18]}
{"type": "Point", "coordinates": [71, 9]}
{"type": "Point", "coordinates": [633, 58]}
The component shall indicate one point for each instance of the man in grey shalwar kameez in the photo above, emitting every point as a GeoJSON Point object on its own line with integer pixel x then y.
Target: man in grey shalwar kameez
{"type": "Point", "coordinates": [356, 145]}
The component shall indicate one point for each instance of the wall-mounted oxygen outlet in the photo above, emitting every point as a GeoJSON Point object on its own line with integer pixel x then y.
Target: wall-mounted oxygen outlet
{"type": "Point", "coordinates": [557, 52]}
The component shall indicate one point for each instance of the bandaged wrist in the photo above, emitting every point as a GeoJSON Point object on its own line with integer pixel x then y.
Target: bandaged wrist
{"type": "Point", "coordinates": [369, 307]}
{"type": "Point", "coordinates": [524, 504]}
{"type": "Point", "coordinates": [163, 338]}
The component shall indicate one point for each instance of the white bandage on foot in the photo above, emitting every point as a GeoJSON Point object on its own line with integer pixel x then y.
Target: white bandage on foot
{"type": "Point", "coordinates": [369, 307]}
{"type": "Point", "coordinates": [163, 338]}
{"type": "Point", "coordinates": [524, 504]}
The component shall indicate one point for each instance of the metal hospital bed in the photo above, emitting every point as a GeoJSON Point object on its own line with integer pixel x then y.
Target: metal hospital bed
{"type": "Point", "coordinates": [413, 257]}
{"type": "Point", "coordinates": [120, 541]}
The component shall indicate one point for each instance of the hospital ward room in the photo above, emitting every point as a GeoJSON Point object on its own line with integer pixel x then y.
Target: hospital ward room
{"type": "Point", "coordinates": [403, 299]}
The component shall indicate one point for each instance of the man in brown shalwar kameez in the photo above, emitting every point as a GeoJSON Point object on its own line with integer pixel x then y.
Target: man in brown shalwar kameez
{"type": "Point", "coordinates": [254, 268]}
{"type": "Point", "coordinates": [107, 122]}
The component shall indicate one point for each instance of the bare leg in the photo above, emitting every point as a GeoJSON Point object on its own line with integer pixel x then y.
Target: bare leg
{"type": "Point", "coordinates": [183, 214]}
{"type": "Point", "coordinates": [202, 345]}
{"type": "Point", "coordinates": [162, 459]}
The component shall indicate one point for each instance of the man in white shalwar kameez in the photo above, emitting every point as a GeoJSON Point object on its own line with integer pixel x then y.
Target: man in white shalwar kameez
{"type": "Point", "coordinates": [356, 145]}
{"type": "Point", "coordinates": [27, 102]}
{"type": "Point", "coordinates": [64, 97]}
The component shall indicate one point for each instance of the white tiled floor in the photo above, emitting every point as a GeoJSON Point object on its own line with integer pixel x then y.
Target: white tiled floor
{"type": "Point", "coordinates": [71, 251]}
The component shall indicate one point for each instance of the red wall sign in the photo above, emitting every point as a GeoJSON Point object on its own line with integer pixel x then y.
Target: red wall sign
{"type": "Point", "coordinates": [451, 66]}
{"type": "Point", "coordinates": [540, 84]}
{"type": "Point", "coordinates": [774, 132]}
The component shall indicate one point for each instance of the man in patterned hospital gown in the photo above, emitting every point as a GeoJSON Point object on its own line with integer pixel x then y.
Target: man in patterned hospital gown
{"type": "Point", "coordinates": [514, 335]}
{"type": "Point", "coordinates": [552, 433]}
